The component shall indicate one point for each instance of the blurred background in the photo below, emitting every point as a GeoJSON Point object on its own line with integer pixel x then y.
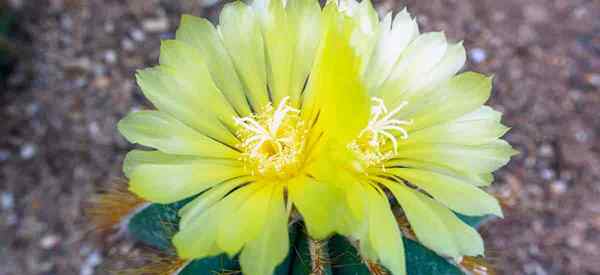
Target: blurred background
{"type": "Point", "coordinates": [67, 76]}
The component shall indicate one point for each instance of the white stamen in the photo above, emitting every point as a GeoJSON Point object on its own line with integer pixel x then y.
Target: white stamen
{"type": "Point", "coordinates": [383, 126]}
{"type": "Point", "coordinates": [272, 140]}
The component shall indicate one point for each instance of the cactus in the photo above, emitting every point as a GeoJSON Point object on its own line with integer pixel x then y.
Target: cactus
{"type": "Point", "coordinates": [156, 224]}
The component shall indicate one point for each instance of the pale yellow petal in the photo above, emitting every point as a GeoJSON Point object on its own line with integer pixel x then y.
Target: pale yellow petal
{"type": "Point", "coordinates": [187, 67]}
{"type": "Point", "coordinates": [455, 194]}
{"type": "Point", "coordinates": [311, 197]}
{"type": "Point", "coordinates": [165, 178]}
{"type": "Point", "coordinates": [247, 218]}
{"type": "Point", "coordinates": [263, 253]}
{"type": "Point", "coordinates": [191, 211]}
{"type": "Point", "coordinates": [384, 234]}
{"type": "Point", "coordinates": [165, 133]}
{"type": "Point", "coordinates": [393, 38]}
{"type": "Point", "coordinates": [242, 37]}
{"type": "Point", "coordinates": [430, 229]}
{"type": "Point", "coordinates": [202, 35]}
{"type": "Point", "coordinates": [336, 98]}
{"type": "Point", "coordinates": [182, 102]}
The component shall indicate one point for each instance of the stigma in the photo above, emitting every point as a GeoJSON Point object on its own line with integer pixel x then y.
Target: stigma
{"type": "Point", "coordinates": [384, 128]}
{"type": "Point", "coordinates": [272, 141]}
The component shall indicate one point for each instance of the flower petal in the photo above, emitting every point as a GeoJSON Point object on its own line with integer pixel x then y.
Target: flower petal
{"type": "Point", "coordinates": [384, 235]}
{"type": "Point", "coordinates": [382, 239]}
{"type": "Point", "coordinates": [427, 225]}
{"type": "Point", "coordinates": [336, 98]}
{"type": "Point", "coordinates": [291, 36]}
{"type": "Point", "coordinates": [392, 41]}
{"type": "Point", "coordinates": [150, 173]}
{"type": "Point", "coordinates": [455, 194]}
{"type": "Point", "coordinates": [183, 103]}
{"type": "Point", "coordinates": [242, 37]}
{"type": "Point", "coordinates": [475, 159]}
{"type": "Point", "coordinates": [262, 254]}
{"type": "Point", "coordinates": [202, 35]}
{"type": "Point", "coordinates": [187, 66]}
{"type": "Point", "coordinates": [304, 18]}
{"type": "Point", "coordinates": [419, 58]}
{"type": "Point", "coordinates": [476, 128]}
{"type": "Point", "coordinates": [247, 218]}
{"type": "Point", "coordinates": [165, 133]}
{"type": "Point", "coordinates": [458, 96]}
{"type": "Point", "coordinates": [310, 197]}
{"type": "Point", "coordinates": [198, 239]}
{"type": "Point", "coordinates": [460, 173]}
{"type": "Point", "coordinates": [192, 211]}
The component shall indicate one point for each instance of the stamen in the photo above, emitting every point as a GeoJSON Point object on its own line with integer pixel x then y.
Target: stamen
{"type": "Point", "coordinates": [273, 140]}
{"type": "Point", "coordinates": [382, 129]}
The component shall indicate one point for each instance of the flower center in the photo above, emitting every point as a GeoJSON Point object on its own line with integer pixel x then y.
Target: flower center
{"type": "Point", "coordinates": [273, 141]}
{"type": "Point", "coordinates": [372, 143]}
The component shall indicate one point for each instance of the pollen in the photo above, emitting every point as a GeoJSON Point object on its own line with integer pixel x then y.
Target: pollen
{"type": "Point", "coordinates": [384, 129]}
{"type": "Point", "coordinates": [273, 141]}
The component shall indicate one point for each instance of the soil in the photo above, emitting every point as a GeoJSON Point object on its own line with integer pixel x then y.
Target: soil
{"type": "Point", "coordinates": [58, 142]}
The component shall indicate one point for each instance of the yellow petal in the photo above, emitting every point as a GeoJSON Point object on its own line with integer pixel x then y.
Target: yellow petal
{"type": "Point", "coordinates": [458, 96]}
{"type": "Point", "coordinates": [304, 19]}
{"type": "Point", "coordinates": [191, 211]}
{"type": "Point", "coordinates": [336, 98]}
{"type": "Point", "coordinates": [476, 159]}
{"type": "Point", "coordinates": [262, 254]}
{"type": "Point", "coordinates": [187, 67]}
{"type": "Point", "coordinates": [437, 227]}
{"type": "Point", "coordinates": [384, 235]}
{"type": "Point", "coordinates": [165, 133]}
{"type": "Point", "coordinates": [431, 231]}
{"type": "Point", "coordinates": [455, 194]}
{"type": "Point", "coordinates": [247, 217]}
{"type": "Point", "coordinates": [278, 40]}
{"type": "Point", "coordinates": [242, 37]}
{"type": "Point", "coordinates": [164, 178]}
{"type": "Point", "coordinates": [182, 102]}
{"type": "Point", "coordinates": [476, 128]}
{"type": "Point", "coordinates": [198, 240]}
{"type": "Point", "coordinates": [202, 35]}
{"type": "Point", "coordinates": [311, 197]}
{"type": "Point", "coordinates": [393, 38]}
{"type": "Point", "coordinates": [421, 57]}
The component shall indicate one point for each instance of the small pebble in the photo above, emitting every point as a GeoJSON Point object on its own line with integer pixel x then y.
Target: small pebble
{"type": "Point", "coordinates": [546, 150]}
{"type": "Point", "coordinates": [7, 200]}
{"type": "Point", "coordinates": [478, 55]}
{"type": "Point", "coordinates": [110, 56]}
{"type": "Point", "coordinates": [138, 35]}
{"type": "Point", "coordinates": [593, 79]}
{"type": "Point", "coordinates": [558, 187]}
{"type": "Point", "coordinates": [49, 241]}
{"type": "Point", "coordinates": [28, 151]}
{"type": "Point", "coordinates": [547, 174]}
{"type": "Point", "coordinates": [127, 44]}
{"type": "Point", "coordinates": [581, 136]}
{"type": "Point", "coordinates": [92, 260]}
{"type": "Point", "coordinates": [156, 25]}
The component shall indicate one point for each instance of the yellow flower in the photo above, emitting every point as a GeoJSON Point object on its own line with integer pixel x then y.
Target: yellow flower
{"type": "Point", "coordinates": [286, 106]}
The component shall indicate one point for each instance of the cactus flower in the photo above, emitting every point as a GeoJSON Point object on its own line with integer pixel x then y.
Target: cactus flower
{"type": "Point", "coordinates": [328, 112]}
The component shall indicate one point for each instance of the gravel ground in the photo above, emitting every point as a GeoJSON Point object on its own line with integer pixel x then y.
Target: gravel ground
{"type": "Point", "coordinates": [58, 141]}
